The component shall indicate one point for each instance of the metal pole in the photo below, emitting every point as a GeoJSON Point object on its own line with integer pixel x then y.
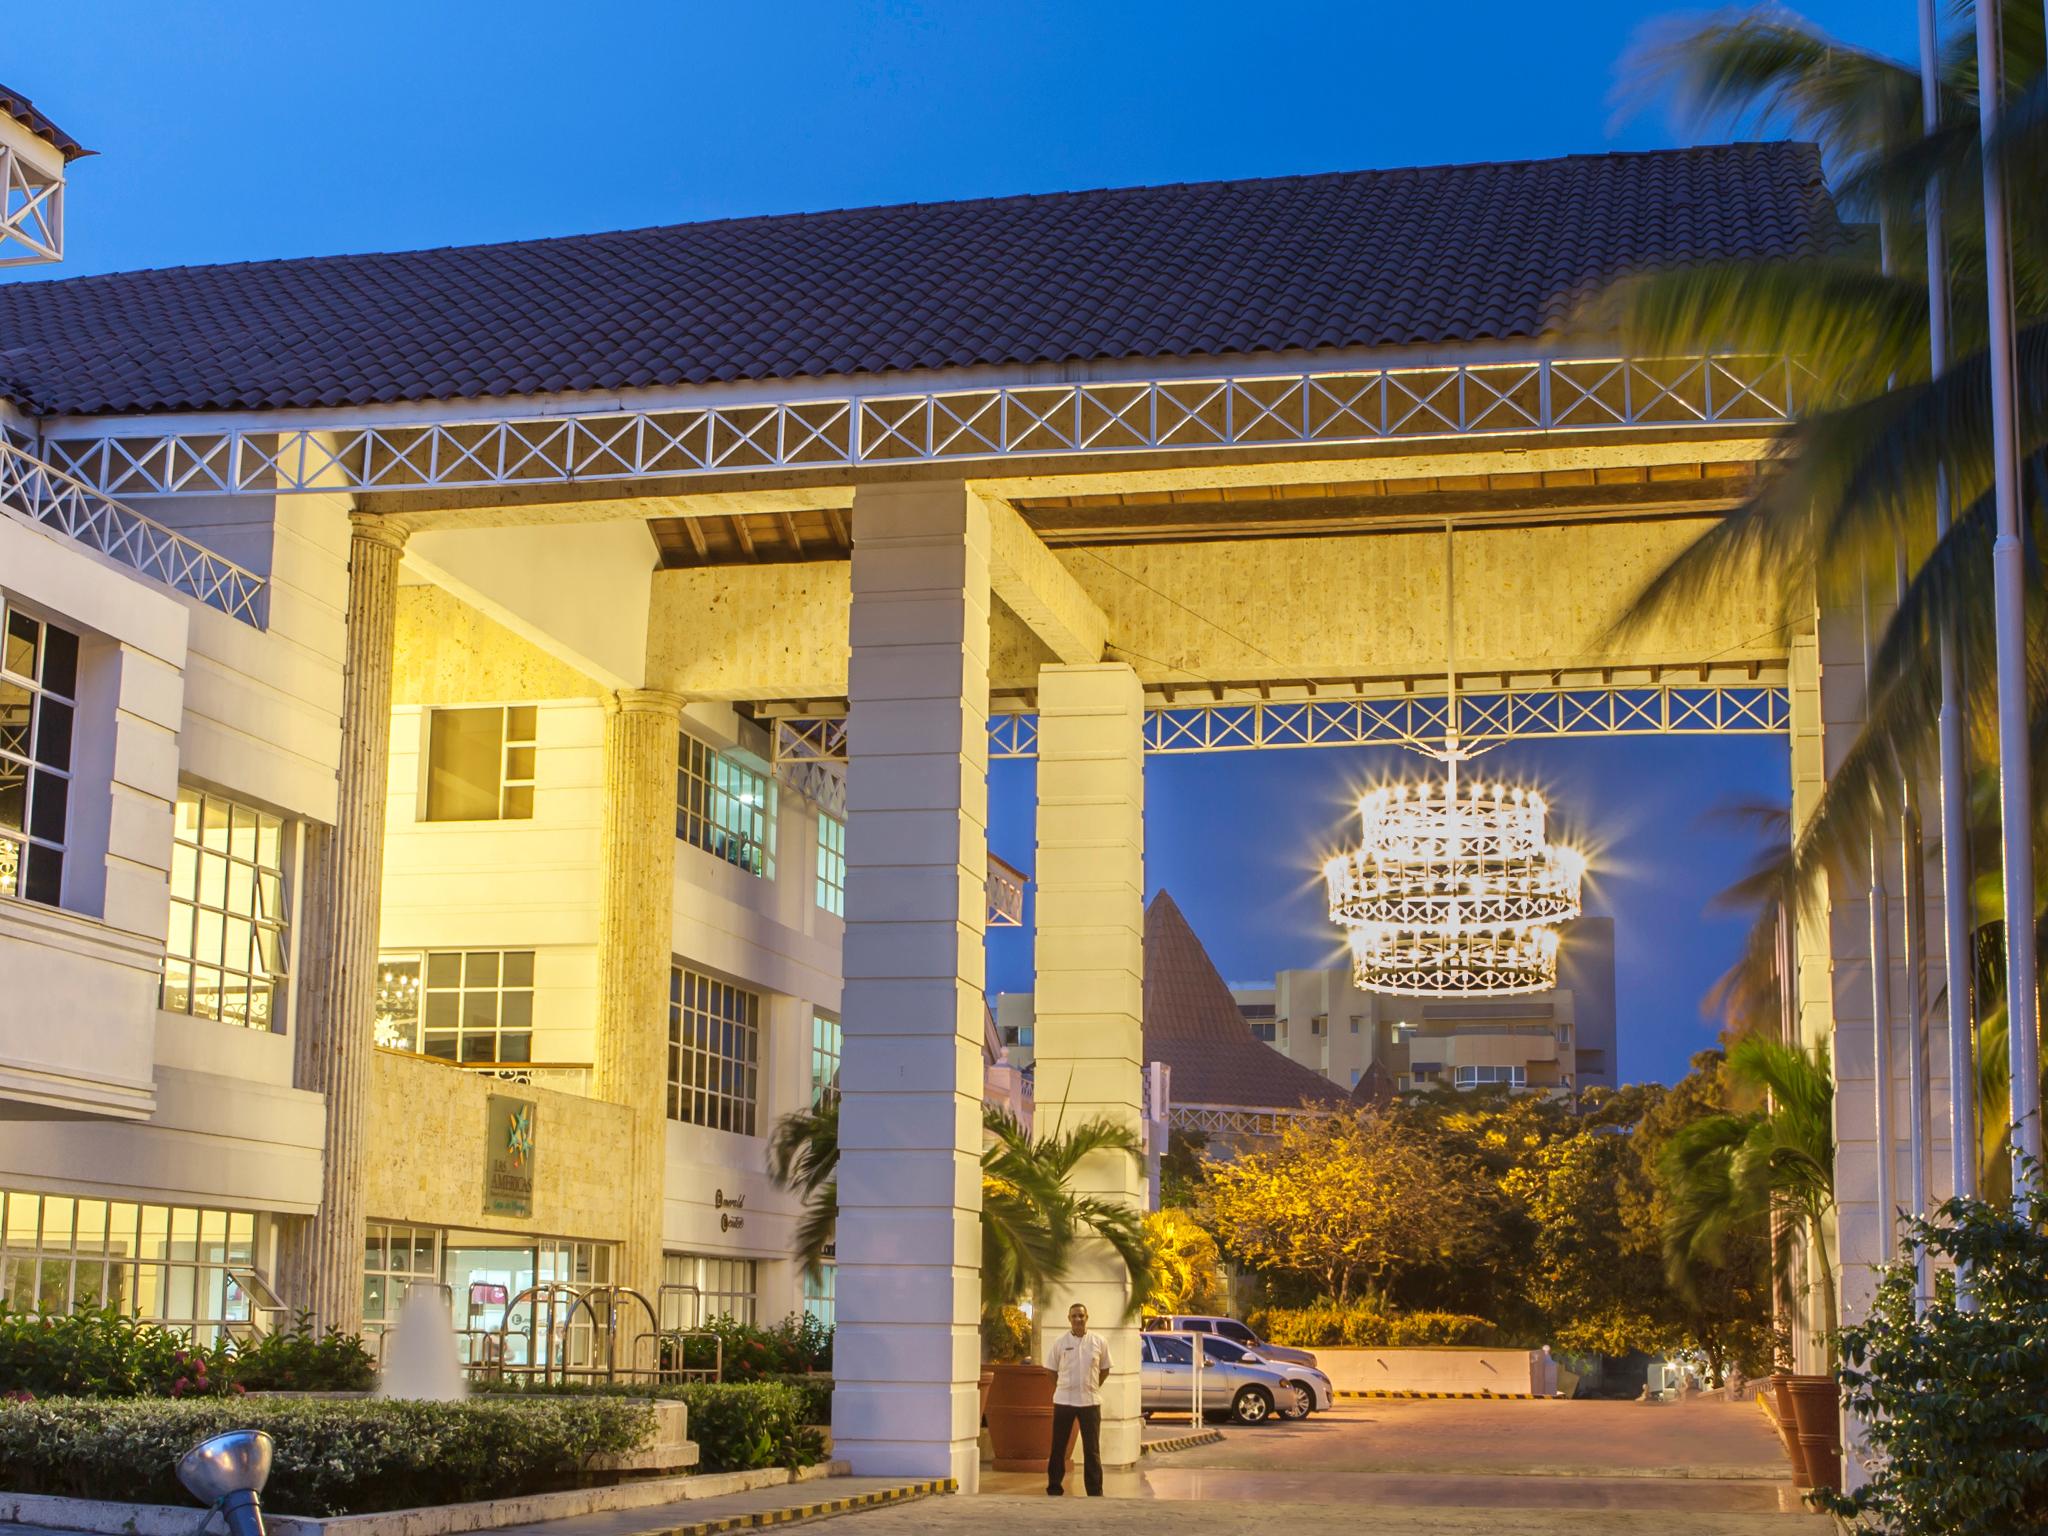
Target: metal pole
{"type": "Point", "coordinates": [1958, 963]}
{"type": "Point", "coordinates": [2009, 598]}
{"type": "Point", "coordinates": [1880, 985]}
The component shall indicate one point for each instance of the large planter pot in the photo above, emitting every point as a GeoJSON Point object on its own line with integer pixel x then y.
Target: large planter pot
{"type": "Point", "coordinates": [1020, 1416]}
{"type": "Point", "coordinates": [1823, 1462]}
{"type": "Point", "coordinates": [1817, 1416]}
{"type": "Point", "coordinates": [988, 1376]}
{"type": "Point", "coordinates": [1780, 1389]}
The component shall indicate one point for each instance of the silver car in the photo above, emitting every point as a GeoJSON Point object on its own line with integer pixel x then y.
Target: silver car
{"type": "Point", "coordinates": [1230, 1328]}
{"type": "Point", "coordinates": [1249, 1392]}
{"type": "Point", "coordinates": [1312, 1388]}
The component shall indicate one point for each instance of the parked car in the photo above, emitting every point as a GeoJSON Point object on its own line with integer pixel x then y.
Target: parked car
{"type": "Point", "coordinates": [1230, 1328]}
{"type": "Point", "coordinates": [1250, 1392]}
{"type": "Point", "coordinates": [1310, 1385]}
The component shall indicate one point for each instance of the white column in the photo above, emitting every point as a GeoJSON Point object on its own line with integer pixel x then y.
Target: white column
{"type": "Point", "coordinates": [908, 1351]}
{"type": "Point", "coordinates": [1089, 998]}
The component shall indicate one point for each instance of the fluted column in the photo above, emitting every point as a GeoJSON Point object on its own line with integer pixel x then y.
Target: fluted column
{"type": "Point", "coordinates": [344, 876]}
{"type": "Point", "coordinates": [634, 948]}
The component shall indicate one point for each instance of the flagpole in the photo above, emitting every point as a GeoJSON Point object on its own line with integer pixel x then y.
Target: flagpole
{"type": "Point", "coordinates": [2008, 590]}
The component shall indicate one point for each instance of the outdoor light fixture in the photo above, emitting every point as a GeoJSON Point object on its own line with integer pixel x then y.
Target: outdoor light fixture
{"type": "Point", "coordinates": [1453, 890]}
{"type": "Point", "coordinates": [227, 1473]}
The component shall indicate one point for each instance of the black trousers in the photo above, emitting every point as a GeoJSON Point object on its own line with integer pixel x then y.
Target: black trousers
{"type": "Point", "coordinates": [1064, 1418]}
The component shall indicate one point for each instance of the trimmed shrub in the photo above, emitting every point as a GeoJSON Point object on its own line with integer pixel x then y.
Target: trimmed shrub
{"type": "Point", "coordinates": [296, 1359]}
{"type": "Point", "coordinates": [1365, 1325]}
{"type": "Point", "coordinates": [101, 1353]}
{"type": "Point", "coordinates": [797, 1344]}
{"type": "Point", "coordinates": [333, 1457]}
{"type": "Point", "coordinates": [737, 1425]}
{"type": "Point", "coordinates": [816, 1392]}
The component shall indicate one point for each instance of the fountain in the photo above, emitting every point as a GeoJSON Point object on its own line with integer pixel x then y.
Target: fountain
{"type": "Point", "coordinates": [419, 1357]}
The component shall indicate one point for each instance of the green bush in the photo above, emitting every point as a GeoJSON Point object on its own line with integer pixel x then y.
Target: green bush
{"type": "Point", "coordinates": [1366, 1325]}
{"type": "Point", "coordinates": [101, 1353]}
{"type": "Point", "coordinates": [1951, 1401]}
{"type": "Point", "coordinates": [816, 1392]}
{"type": "Point", "coordinates": [1005, 1336]}
{"type": "Point", "coordinates": [797, 1344]}
{"type": "Point", "coordinates": [333, 1457]}
{"type": "Point", "coordinates": [296, 1359]}
{"type": "Point", "coordinates": [736, 1425]}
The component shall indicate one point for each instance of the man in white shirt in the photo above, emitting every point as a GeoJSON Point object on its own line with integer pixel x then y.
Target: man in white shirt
{"type": "Point", "coordinates": [1080, 1360]}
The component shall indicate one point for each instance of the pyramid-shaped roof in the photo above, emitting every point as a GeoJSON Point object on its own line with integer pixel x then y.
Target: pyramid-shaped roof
{"type": "Point", "coordinates": [1192, 1023]}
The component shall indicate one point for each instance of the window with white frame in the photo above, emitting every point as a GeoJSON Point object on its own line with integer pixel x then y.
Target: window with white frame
{"type": "Point", "coordinates": [714, 1031]}
{"type": "Point", "coordinates": [725, 807]}
{"type": "Point", "coordinates": [832, 864]}
{"type": "Point", "coordinates": [163, 1264]}
{"type": "Point", "coordinates": [480, 763]}
{"type": "Point", "coordinates": [698, 1288]}
{"type": "Point", "coordinates": [821, 1294]}
{"type": "Point", "coordinates": [827, 1043]}
{"type": "Point", "coordinates": [38, 700]}
{"type": "Point", "coordinates": [1474, 1077]}
{"type": "Point", "coordinates": [228, 948]}
{"type": "Point", "coordinates": [395, 1259]}
{"type": "Point", "coordinates": [465, 1005]}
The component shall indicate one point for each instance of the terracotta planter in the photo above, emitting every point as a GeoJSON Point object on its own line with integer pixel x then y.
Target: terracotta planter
{"type": "Point", "coordinates": [1020, 1416]}
{"type": "Point", "coordinates": [1823, 1462]}
{"type": "Point", "coordinates": [1817, 1406]}
{"type": "Point", "coordinates": [1780, 1389]}
{"type": "Point", "coordinates": [988, 1376]}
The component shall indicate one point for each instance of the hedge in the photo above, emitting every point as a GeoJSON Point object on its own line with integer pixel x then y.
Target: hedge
{"type": "Point", "coordinates": [1326, 1325]}
{"type": "Point", "coordinates": [102, 1353]}
{"type": "Point", "coordinates": [737, 1425]}
{"type": "Point", "coordinates": [817, 1395]}
{"type": "Point", "coordinates": [333, 1457]}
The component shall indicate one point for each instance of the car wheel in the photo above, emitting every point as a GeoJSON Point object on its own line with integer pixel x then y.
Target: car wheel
{"type": "Point", "coordinates": [1304, 1399]}
{"type": "Point", "coordinates": [1252, 1405]}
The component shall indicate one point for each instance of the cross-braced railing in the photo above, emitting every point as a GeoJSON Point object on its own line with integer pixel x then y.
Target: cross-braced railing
{"type": "Point", "coordinates": [854, 429]}
{"type": "Point", "coordinates": [1415, 721]}
{"type": "Point", "coordinates": [36, 491]}
{"type": "Point", "coordinates": [31, 211]}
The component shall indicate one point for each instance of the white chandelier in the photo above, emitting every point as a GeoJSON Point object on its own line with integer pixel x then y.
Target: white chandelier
{"type": "Point", "coordinates": [1453, 891]}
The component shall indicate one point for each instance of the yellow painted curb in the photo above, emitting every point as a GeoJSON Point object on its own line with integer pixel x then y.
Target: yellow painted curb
{"type": "Point", "coordinates": [791, 1513]}
{"type": "Point", "coordinates": [1185, 1442]}
{"type": "Point", "coordinates": [1498, 1397]}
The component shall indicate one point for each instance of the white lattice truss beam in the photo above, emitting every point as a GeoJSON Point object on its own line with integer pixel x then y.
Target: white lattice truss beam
{"type": "Point", "coordinates": [1657, 709]}
{"type": "Point", "coordinates": [31, 212]}
{"type": "Point", "coordinates": [1407, 403]}
{"type": "Point", "coordinates": [32, 490]}
{"type": "Point", "coordinates": [1228, 1120]}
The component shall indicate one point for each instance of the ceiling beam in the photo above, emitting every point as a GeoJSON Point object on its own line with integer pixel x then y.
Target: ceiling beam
{"type": "Point", "coordinates": [1040, 591]}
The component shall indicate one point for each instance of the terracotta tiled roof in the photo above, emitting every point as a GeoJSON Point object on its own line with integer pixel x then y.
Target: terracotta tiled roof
{"type": "Point", "coordinates": [1193, 1025]}
{"type": "Point", "coordinates": [25, 112]}
{"type": "Point", "coordinates": [1292, 264]}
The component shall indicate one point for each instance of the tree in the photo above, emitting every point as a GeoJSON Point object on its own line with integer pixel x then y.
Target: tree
{"type": "Point", "coordinates": [1346, 1198]}
{"type": "Point", "coordinates": [1188, 1265]}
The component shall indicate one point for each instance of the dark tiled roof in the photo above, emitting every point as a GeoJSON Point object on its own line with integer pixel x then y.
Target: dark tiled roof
{"type": "Point", "coordinates": [24, 112]}
{"type": "Point", "coordinates": [1299, 263]}
{"type": "Point", "coordinates": [1192, 1024]}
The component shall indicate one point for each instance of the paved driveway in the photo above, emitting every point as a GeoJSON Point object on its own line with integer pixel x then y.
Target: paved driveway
{"type": "Point", "coordinates": [1432, 1469]}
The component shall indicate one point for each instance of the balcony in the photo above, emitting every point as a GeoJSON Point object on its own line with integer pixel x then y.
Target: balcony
{"type": "Point", "coordinates": [78, 1028]}
{"type": "Point", "coordinates": [557, 1076]}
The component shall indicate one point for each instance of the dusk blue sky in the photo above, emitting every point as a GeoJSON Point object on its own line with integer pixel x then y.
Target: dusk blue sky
{"type": "Point", "coordinates": [234, 132]}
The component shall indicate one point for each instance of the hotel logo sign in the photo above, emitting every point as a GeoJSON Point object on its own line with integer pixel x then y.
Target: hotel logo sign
{"type": "Point", "coordinates": [508, 1156]}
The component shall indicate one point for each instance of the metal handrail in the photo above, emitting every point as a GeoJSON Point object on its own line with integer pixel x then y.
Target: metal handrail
{"type": "Point", "coordinates": [41, 493]}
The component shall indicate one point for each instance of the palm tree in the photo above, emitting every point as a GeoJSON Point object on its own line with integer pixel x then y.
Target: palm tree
{"type": "Point", "coordinates": [1030, 1217]}
{"type": "Point", "coordinates": [1728, 1173]}
{"type": "Point", "coordinates": [1855, 480]}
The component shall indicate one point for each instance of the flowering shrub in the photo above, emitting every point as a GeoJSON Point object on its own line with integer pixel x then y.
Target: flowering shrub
{"type": "Point", "coordinates": [105, 1354]}
{"type": "Point", "coordinates": [332, 1457]}
{"type": "Point", "coordinates": [797, 1344]}
{"type": "Point", "coordinates": [296, 1359]}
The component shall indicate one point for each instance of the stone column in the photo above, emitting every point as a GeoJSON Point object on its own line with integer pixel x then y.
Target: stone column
{"type": "Point", "coordinates": [1089, 999]}
{"type": "Point", "coordinates": [636, 906]}
{"type": "Point", "coordinates": [907, 1355]}
{"type": "Point", "coordinates": [338, 948]}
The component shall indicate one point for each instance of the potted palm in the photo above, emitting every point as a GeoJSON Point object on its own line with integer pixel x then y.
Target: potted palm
{"type": "Point", "coordinates": [1031, 1221]}
{"type": "Point", "coordinates": [1772, 1166]}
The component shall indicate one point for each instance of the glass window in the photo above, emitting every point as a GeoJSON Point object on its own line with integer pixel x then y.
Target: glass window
{"type": "Point", "coordinates": [832, 864]}
{"type": "Point", "coordinates": [1471, 1077]}
{"type": "Point", "coordinates": [827, 1041]}
{"type": "Point", "coordinates": [480, 763]}
{"type": "Point", "coordinates": [697, 1288]}
{"type": "Point", "coordinates": [1172, 1351]}
{"type": "Point", "coordinates": [226, 954]}
{"type": "Point", "coordinates": [464, 1005]}
{"type": "Point", "coordinates": [821, 1294]}
{"type": "Point", "coordinates": [38, 701]}
{"type": "Point", "coordinates": [713, 1052]}
{"type": "Point", "coordinates": [395, 1259]}
{"type": "Point", "coordinates": [725, 808]}
{"type": "Point", "coordinates": [163, 1264]}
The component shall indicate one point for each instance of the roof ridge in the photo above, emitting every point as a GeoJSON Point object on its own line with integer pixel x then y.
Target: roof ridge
{"type": "Point", "coordinates": [985, 200]}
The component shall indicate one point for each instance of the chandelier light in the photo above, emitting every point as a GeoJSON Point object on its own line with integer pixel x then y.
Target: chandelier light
{"type": "Point", "coordinates": [1454, 891]}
